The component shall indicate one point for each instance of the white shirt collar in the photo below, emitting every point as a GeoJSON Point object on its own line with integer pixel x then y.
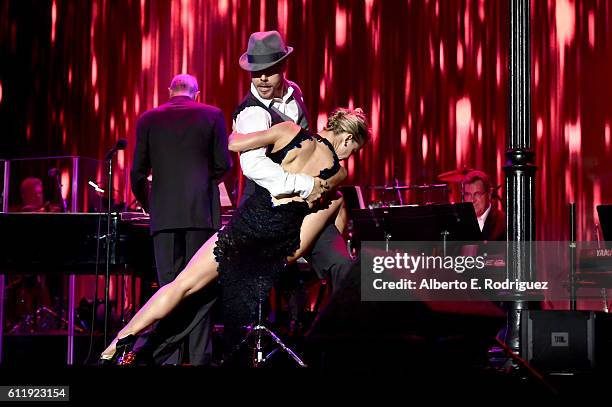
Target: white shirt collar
{"type": "Point", "coordinates": [482, 218]}
{"type": "Point", "coordinates": [268, 102]}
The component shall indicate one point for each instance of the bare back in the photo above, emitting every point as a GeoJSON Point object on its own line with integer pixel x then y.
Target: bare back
{"type": "Point", "coordinates": [310, 158]}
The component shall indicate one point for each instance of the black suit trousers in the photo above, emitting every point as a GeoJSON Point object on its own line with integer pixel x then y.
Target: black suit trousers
{"type": "Point", "coordinates": [189, 325]}
{"type": "Point", "coordinates": [329, 257]}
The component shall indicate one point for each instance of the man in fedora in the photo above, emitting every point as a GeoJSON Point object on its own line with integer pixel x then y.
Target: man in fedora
{"type": "Point", "coordinates": [273, 99]}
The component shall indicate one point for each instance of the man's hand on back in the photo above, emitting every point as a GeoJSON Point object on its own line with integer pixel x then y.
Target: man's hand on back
{"type": "Point", "coordinates": [320, 187]}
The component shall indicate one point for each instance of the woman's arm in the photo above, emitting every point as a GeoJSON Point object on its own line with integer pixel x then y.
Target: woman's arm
{"type": "Point", "coordinates": [239, 142]}
{"type": "Point", "coordinates": [337, 178]}
{"type": "Point", "coordinates": [330, 193]}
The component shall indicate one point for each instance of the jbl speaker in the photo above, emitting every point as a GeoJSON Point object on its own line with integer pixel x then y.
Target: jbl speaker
{"type": "Point", "coordinates": [566, 341]}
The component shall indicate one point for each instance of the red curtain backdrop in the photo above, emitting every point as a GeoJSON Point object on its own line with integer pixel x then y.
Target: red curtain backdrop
{"type": "Point", "coordinates": [75, 76]}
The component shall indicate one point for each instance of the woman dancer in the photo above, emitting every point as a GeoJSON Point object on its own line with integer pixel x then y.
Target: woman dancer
{"type": "Point", "coordinates": [265, 233]}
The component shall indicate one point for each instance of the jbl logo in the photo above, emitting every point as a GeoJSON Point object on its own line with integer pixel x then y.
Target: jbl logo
{"type": "Point", "coordinates": [560, 339]}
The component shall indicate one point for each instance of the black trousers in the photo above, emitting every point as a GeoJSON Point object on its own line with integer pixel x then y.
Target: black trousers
{"type": "Point", "coordinates": [330, 258]}
{"type": "Point", "coordinates": [189, 325]}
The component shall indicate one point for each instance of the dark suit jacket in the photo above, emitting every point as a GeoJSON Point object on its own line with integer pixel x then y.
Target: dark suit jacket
{"type": "Point", "coordinates": [494, 228]}
{"type": "Point", "coordinates": [184, 144]}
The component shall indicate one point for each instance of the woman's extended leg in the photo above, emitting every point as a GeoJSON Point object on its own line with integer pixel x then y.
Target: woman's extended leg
{"type": "Point", "coordinates": [341, 218]}
{"type": "Point", "coordinates": [201, 270]}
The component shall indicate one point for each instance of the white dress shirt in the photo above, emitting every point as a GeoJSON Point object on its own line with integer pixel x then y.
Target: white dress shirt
{"type": "Point", "coordinates": [482, 218]}
{"type": "Point", "coordinates": [255, 164]}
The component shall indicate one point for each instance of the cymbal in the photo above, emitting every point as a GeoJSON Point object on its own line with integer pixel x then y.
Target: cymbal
{"type": "Point", "coordinates": [406, 187]}
{"type": "Point", "coordinates": [388, 187]}
{"type": "Point", "coordinates": [455, 175]}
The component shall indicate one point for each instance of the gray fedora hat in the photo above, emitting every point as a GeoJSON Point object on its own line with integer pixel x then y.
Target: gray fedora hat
{"type": "Point", "coordinates": [266, 48]}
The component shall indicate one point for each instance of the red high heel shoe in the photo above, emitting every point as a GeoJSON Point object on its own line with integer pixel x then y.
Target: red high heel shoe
{"type": "Point", "coordinates": [125, 355]}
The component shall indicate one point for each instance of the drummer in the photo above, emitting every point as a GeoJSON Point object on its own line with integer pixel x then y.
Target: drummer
{"type": "Point", "coordinates": [477, 189]}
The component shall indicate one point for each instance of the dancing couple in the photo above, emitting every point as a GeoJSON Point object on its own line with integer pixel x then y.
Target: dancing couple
{"type": "Point", "coordinates": [267, 233]}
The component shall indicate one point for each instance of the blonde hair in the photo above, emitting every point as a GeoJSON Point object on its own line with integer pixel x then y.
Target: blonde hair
{"type": "Point", "coordinates": [352, 121]}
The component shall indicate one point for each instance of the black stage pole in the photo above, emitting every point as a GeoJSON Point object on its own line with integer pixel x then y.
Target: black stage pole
{"type": "Point", "coordinates": [519, 168]}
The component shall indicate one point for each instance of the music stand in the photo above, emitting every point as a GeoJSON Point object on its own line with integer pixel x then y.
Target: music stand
{"type": "Point", "coordinates": [437, 222]}
{"type": "Point", "coordinates": [605, 221]}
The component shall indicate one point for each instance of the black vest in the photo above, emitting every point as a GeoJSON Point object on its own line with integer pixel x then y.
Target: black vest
{"type": "Point", "coordinates": [249, 101]}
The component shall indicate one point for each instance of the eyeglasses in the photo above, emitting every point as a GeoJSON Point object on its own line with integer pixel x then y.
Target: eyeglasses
{"type": "Point", "coordinates": [474, 195]}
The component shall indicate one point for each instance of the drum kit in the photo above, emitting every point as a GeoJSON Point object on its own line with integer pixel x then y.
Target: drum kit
{"type": "Point", "coordinates": [426, 194]}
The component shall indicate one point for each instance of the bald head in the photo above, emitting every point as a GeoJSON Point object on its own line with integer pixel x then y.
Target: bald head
{"type": "Point", "coordinates": [184, 85]}
{"type": "Point", "coordinates": [32, 193]}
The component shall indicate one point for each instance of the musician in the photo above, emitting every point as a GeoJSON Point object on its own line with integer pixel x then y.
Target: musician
{"type": "Point", "coordinates": [32, 197]}
{"type": "Point", "coordinates": [477, 189]}
{"type": "Point", "coordinates": [184, 144]}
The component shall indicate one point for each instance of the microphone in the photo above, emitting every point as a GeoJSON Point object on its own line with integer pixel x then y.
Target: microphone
{"type": "Point", "coordinates": [121, 145]}
{"type": "Point", "coordinates": [53, 172]}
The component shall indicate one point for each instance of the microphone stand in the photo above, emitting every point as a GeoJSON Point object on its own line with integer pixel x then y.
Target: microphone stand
{"type": "Point", "coordinates": [396, 187]}
{"type": "Point", "coordinates": [59, 190]}
{"type": "Point", "coordinates": [108, 247]}
{"type": "Point", "coordinates": [121, 144]}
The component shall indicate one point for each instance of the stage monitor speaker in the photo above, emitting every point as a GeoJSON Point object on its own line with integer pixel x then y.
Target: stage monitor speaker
{"type": "Point", "coordinates": [566, 341]}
